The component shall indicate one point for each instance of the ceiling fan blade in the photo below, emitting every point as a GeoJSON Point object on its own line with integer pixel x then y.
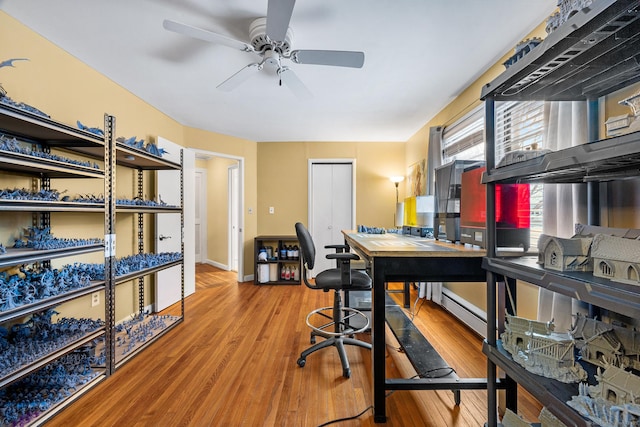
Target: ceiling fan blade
{"type": "Point", "coordinates": [240, 77]}
{"type": "Point", "coordinates": [278, 17]}
{"type": "Point", "coordinates": [339, 58]}
{"type": "Point", "coordinates": [208, 36]}
{"type": "Point", "coordinates": [291, 80]}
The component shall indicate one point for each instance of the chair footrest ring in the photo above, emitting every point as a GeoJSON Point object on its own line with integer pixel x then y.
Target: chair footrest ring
{"type": "Point", "coordinates": [328, 329]}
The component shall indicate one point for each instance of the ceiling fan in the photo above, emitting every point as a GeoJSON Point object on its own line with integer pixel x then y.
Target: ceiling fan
{"type": "Point", "coordinates": [271, 39]}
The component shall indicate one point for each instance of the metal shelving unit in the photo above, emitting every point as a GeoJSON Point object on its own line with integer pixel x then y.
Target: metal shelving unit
{"type": "Point", "coordinates": [591, 55]}
{"type": "Point", "coordinates": [35, 129]}
{"type": "Point", "coordinates": [141, 161]}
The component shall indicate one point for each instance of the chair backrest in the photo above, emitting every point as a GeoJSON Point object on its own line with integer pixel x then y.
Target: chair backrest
{"type": "Point", "coordinates": [307, 247]}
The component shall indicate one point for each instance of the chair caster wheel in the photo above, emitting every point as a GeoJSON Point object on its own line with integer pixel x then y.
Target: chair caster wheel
{"type": "Point", "coordinates": [302, 362]}
{"type": "Point", "coordinates": [346, 373]}
{"type": "Point", "coordinates": [312, 340]}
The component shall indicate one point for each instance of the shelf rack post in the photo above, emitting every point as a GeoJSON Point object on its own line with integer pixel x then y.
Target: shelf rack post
{"type": "Point", "coordinates": [182, 231]}
{"type": "Point", "coordinates": [140, 242]}
{"type": "Point", "coordinates": [593, 188]}
{"type": "Point", "coordinates": [109, 241]}
{"type": "Point", "coordinates": [492, 401]}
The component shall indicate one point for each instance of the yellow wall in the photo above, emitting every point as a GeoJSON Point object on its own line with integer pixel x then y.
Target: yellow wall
{"type": "Point", "coordinates": [275, 173]}
{"type": "Point", "coordinates": [68, 90]}
{"type": "Point", "coordinates": [283, 183]}
{"type": "Point", "coordinates": [218, 212]}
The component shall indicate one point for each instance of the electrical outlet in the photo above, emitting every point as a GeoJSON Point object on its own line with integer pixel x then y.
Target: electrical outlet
{"type": "Point", "coordinates": [95, 299]}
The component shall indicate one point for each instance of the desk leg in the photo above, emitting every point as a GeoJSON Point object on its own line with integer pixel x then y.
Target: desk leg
{"type": "Point", "coordinates": [407, 293]}
{"type": "Point", "coordinates": [378, 339]}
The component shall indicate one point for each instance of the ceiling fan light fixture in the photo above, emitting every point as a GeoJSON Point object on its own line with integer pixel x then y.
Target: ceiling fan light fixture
{"type": "Point", "coordinates": [261, 42]}
{"type": "Point", "coordinates": [272, 59]}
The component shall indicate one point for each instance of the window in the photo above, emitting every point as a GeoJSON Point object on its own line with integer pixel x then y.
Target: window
{"type": "Point", "coordinates": [519, 127]}
{"type": "Point", "coordinates": [464, 140]}
{"type": "Point", "coordinates": [605, 269]}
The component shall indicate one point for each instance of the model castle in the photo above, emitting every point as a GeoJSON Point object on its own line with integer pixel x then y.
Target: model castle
{"type": "Point", "coordinates": [614, 401]}
{"type": "Point", "coordinates": [567, 8]}
{"type": "Point", "coordinates": [610, 253]}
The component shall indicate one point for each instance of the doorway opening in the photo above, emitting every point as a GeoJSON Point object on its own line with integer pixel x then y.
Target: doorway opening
{"type": "Point", "coordinates": [223, 222]}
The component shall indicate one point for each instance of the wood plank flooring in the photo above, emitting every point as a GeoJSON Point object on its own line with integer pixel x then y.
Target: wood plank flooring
{"type": "Point", "coordinates": [232, 362]}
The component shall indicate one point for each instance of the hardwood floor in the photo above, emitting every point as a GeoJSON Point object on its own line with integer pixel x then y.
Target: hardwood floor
{"type": "Point", "coordinates": [232, 362]}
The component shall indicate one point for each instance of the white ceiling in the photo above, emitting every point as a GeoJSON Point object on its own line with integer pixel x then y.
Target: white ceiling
{"type": "Point", "coordinates": [419, 55]}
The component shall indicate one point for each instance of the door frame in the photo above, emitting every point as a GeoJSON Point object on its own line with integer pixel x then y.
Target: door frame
{"type": "Point", "coordinates": [310, 163]}
{"type": "Point", "coordinates": [203, 213]}
{"type": "Point", "coordinates": [233, 203]}
{"type": "Point", "coordinates": [240, 199]}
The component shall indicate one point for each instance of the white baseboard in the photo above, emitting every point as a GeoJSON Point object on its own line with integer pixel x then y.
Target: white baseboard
{"type": "Point", "coordinates": [469, 314]}
{"type": "Point", "coordinates": [216, 264]}
{"type": "Point", "coordinates": [225, 267]}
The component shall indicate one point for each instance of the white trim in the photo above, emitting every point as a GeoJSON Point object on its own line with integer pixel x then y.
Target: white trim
{"type": "Point", "coordinates": [310, 163]}
{"type": "Point", "coordinates": [204, 154]}
{"type": "Point", "coordinates": [216, 264]}
{"type": "Point", "coordinates": [203, 214]}
{"type": "Point", "coordinates": [467, 313]}
{"type": "Point", "coordinates": [231, 198]}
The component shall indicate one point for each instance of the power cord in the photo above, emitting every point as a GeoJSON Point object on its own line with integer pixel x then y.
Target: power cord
{"type": "Point", "coordinates": [346, 418]}
{"type": "Point", "coordinates": [416, 308]}
{"type": "Point", "coordinates": [355, 416]}
{"type": "Point", "coordinates": [424, 374]}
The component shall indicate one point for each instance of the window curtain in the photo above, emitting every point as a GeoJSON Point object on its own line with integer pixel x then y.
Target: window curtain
{"type": "Point", "coordinates": [434, 157]}
{"type": "Point", "coordinates": [433, 290]}
{"type": "Point", "coordinates": [564, 204]}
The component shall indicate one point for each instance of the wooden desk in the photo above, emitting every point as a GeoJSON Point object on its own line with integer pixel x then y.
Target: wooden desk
{"type": "Point", "coordinates": [400, 258]}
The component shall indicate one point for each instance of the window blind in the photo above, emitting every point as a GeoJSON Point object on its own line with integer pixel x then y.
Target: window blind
{"type": "Point", "coordinates": [464, 139]}
{"type": "Point", "coordinates": [519, 126]}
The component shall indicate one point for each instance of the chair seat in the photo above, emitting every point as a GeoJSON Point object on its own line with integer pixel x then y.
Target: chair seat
{"type": "Point", "coordinates": [330, 279]}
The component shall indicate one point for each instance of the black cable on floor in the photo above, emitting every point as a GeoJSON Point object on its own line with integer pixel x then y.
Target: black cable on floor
{"type": "Point", "coordinates": [355, 416]}
{"type": "Point", "coordinates": [416, 308]}
{"type": "Point", "coordinates": [449, 370]}
{"type": "Point", "coordinates": [346, 418]}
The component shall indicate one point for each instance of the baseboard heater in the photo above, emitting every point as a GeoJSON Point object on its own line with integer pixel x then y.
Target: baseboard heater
{"type": "Point", "coordinates": [467, 313]}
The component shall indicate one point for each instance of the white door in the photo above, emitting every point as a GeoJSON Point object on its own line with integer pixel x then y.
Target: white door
{"type": "Point", "coordinates": [332, 198]}
{"type": "Point", "coordinates": [234, 235]}
{"type": "Point", "coordinates": [169, 234]}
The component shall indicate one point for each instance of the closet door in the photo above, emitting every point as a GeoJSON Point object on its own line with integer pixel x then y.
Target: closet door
{"type": "Point", "coordinates": [331, 207]}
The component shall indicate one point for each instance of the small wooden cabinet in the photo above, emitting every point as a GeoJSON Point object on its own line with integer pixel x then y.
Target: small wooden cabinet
{"type": "Point", "coordinates": [280, 264]}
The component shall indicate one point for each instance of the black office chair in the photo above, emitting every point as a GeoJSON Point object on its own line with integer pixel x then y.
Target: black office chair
{"type": "Point", "coordinates": [335, 322]}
